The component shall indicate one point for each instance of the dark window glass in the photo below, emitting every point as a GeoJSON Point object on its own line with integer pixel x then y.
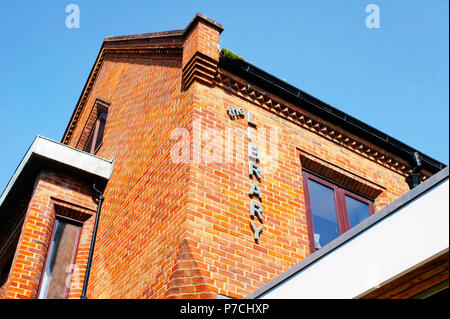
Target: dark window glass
{"type": "Point", "coordinates": [357, 210]}
{"type": "Point", "coordinates": [89, 143]}
{"type": "Point", "coordinates": [101, 130]}
{"type": "Point", "coordinates": [323, 209]}
{"type": "Point", "coordinates": [56, 277]}
{"type": "Point", "coordinates": [331, 210]}
{"type": "Point", "coordinates": [96, 135]}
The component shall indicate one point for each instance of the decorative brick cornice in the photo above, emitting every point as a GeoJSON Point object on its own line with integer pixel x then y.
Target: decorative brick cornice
{"type": "Point", "coordinates": [165, 53]}
{"type": "Point", "coordinates": [312, 123]}
{"type": "Point", "coordinates": [153, 53]}
{"type": "Point", "coordinates": [200, 68]}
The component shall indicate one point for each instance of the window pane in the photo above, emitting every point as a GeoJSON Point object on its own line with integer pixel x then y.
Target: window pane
{"type": "Point", "coordinates": [60, 257]}
{"type": "Point", "coordinates": [357, 210]}
{"type": "Point", "coordinates": [101, 129]}
{"type": "Point", "coordinates": [324, 217]}
{"type": "Point", "coordinates": [89, 143]}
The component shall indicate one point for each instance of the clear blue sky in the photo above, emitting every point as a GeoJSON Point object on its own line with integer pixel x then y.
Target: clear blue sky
{"type": "Point", "coordinates": [394, 78]}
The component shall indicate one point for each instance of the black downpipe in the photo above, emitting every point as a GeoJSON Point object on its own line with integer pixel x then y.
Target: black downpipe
{"type": "Point", "coordinates": [94, 235]}
{"type": "Point", "coordinates": [415, 178]}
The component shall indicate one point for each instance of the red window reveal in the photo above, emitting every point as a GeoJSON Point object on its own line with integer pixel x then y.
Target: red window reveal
{"type": "Point", "coordinates": [96, 135]}
{"type": "Point", "coordinates": [58, 268]}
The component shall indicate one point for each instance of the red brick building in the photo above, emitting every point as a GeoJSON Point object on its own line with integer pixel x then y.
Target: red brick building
{"type": "Point", "coordinates": [208, 167]}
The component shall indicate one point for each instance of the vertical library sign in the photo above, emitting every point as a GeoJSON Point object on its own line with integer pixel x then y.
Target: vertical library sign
{"type": "Point", "coordinates": [254, 172]}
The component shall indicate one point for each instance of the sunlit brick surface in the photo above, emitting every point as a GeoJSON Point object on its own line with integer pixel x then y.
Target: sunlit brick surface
{"type": "Point", "coordinates": [70, 196]}
{"type": "Point", "coordinates": [173, 230]}
{"type": "Point", "coordinates": [182, 230]}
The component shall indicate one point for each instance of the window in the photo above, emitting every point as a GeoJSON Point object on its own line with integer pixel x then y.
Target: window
{"type": "Point", "coordinates": [91, 138]}
{"type": "Point", "coordinates": [331, 209]}
{"type": "Point", "coordinates": [58, 268]}
{"type": "Point", "coordinates": [96, 136]}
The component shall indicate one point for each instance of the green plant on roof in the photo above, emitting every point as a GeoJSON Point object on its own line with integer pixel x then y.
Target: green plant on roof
{"type": "Point", "coordinates": [230, 55]}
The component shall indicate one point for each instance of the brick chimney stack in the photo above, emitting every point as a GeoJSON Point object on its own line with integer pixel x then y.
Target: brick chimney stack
{"type": "Point", "coordinates": [200, 50]}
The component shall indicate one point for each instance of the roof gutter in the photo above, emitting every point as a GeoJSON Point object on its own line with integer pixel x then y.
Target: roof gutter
{"type": "Point", "coordinates": [320, 108]}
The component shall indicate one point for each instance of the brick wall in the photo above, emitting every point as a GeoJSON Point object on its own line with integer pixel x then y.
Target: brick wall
{"type": "Point", "coordinates": [202, 38]}
{"type": "Point", "coordinates": [182, 230]}
{"type": "Point", "coordinates": [141, 229]}
{"type": "Point", "coordinates": [218, 228]}
{"type": "Point", "coordinates": [54, 193]}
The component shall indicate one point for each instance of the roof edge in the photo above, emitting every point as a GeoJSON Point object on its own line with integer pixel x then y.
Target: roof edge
{"type": "Point", "coordinates": [143, 36]}
{"type": "Point", "coordinates": [174, 33]}
{"type": "Point", "coordinates": [319, 108]}
{"type": "Point", "coordinates": [200, 17]}
{"type": "Point", "coordinates": [53, 151]}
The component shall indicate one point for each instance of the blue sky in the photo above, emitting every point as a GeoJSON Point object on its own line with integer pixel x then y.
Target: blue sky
{"type": "Point", "coordinates": [394, 78]}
